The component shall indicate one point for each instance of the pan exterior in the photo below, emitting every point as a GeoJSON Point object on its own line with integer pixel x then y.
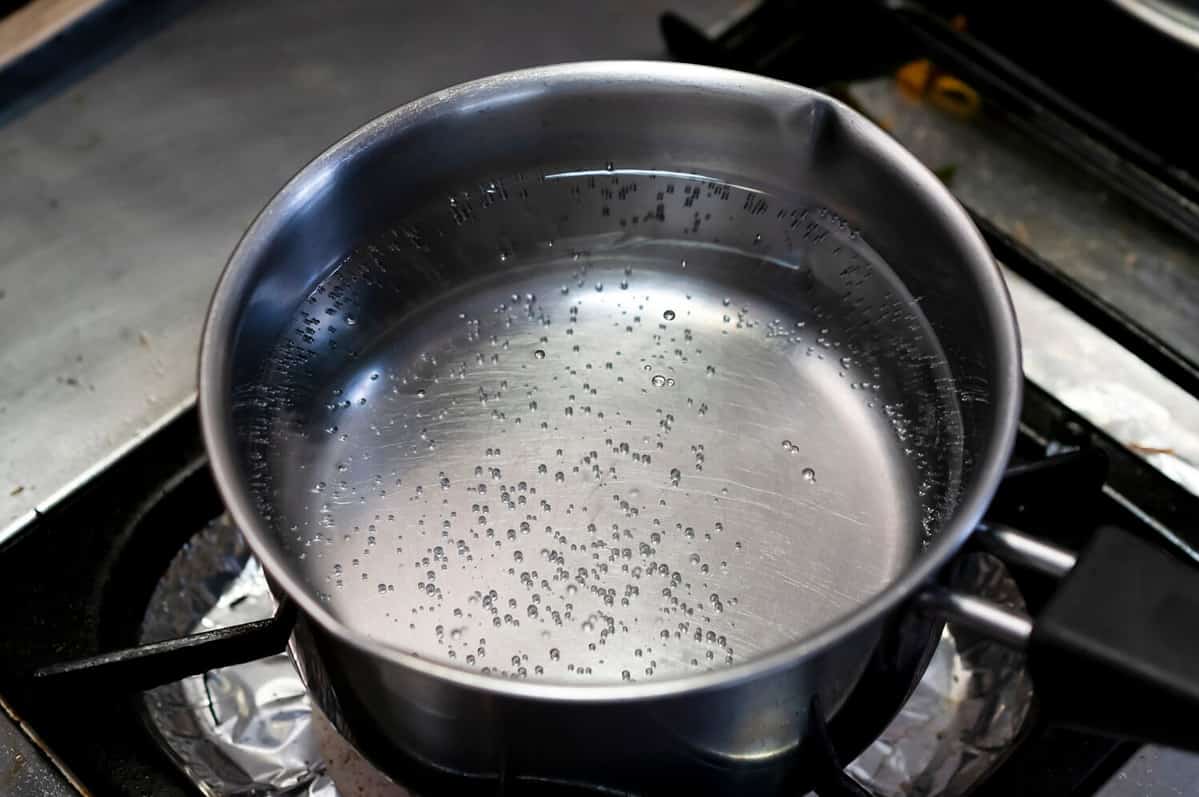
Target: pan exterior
{"type": "Point", "coordinates": [744, 738]}
{"type": "Point", "coordinates": [732, 729]}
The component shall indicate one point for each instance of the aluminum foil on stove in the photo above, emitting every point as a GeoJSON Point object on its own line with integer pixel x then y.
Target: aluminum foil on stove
{"type": "Point", "coordinates": [964, 715]}
{"type": "Point", "coordinates": [245, 729]}
{"type": "Point", "coordinates": [251, 729]}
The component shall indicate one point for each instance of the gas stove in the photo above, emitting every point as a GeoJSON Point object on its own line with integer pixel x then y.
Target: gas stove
{"type": "Point", "coordinates": [150, 657]}
{"type": "Point", "coordinates": [122, 700]}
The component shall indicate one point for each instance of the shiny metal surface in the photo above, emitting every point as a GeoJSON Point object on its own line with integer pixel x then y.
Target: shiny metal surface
{"type": "Point", "coordinates": [1178, 19]}
{"type": "Point", "coordinates": [136, 180]}
{"type": "Point", "coordinates": [242, 729]}
{"type": "Point", "coordinates": [1064, 214]}
{"type": "Point", "coordinates": [601, 465]}
{"type": "Point", "coordinates": [967, 712]}
{"type": "Point", "coordinates": [249, 728]}
{"type": "Point", "coordinates": [1133, 261]}
{"type": "Point", "coordinates": [962, 717]}
{"type": "Point", "coordinates": [1016, 547]}
{"type": "Point", "coordinates": [1142, 267]}
{"type": "Point", "coordinates": [1109, 386]}
{"type": "Point", "coordinates": [492, 174]}
{"type": "Point", "coordinates": [291, 116]}
{"type": "Point", "coordinates": [979, 615]}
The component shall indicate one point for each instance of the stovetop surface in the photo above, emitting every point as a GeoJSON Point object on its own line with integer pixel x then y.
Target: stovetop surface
{"type": "Point", "coordinates": [83, 576]}
{"type": "Point", "coordinates": [79, 578]}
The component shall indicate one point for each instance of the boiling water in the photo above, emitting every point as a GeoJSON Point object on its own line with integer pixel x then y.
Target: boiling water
{"type": "Point", "coordinates": [600, 460]}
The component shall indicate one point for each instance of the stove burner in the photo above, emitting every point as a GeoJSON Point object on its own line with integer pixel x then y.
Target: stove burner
{"type": "Point", "coordinates": [246, 728]}
{"type": "Point", "coordinates": [251, 727]}
{"type": "Point", "coordinates": [111, 560]}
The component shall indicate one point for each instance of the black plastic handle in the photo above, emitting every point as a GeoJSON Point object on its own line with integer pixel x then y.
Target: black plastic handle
{"type": "Point", "coordinates": [1116, 648]}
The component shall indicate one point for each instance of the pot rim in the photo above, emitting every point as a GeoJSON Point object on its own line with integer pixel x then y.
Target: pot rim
{"type": "Point", "coordinates": [220, 326]}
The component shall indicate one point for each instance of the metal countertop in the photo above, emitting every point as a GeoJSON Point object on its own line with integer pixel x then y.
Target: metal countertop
{"type": "Point", "coordinates": [123, 193]}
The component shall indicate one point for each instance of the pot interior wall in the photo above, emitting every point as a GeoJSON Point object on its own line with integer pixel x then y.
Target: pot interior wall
{"type": "Point", "coordinates": [735, 364]}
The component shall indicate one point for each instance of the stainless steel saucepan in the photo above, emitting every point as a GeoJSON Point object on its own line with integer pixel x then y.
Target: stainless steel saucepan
{"type": "Point", "coordinates": [615, 424]}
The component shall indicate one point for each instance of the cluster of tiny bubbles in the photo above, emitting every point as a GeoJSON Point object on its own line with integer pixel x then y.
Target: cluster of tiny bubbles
{"type": "Point", "coordinates": [548, 492]}
{"type": "Point", "coordinates": [808, 473]}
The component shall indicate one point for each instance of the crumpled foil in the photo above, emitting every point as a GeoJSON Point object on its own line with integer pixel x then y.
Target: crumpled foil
{"type": "Point", "coordinates": [246, 729]}
{"type": "Point", "coordinates": [251, 729]}
{"type": "Point", "coordinates": [965, 713]}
